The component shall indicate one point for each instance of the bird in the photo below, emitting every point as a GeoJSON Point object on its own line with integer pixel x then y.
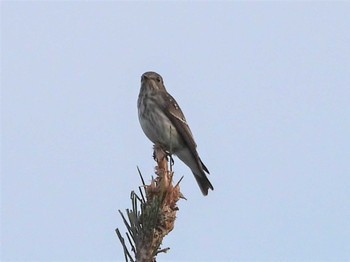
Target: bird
{"type": "Point", "coordinates": [164, 123]}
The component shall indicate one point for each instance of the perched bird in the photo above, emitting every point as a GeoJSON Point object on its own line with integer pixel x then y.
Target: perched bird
{"type": "Point", "coordinates": [165, 125]}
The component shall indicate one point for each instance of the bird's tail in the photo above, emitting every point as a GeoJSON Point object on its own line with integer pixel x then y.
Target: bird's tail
{"type": "Point", "coordinates": [204, 183]}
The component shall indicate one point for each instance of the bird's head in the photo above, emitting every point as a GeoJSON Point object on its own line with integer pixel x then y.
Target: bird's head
{"type": "Point", "coordinates": [153, 80]}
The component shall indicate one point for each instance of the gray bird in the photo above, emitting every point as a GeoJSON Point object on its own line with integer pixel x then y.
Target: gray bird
{"type": "Point", "coordinates": [165, 125]}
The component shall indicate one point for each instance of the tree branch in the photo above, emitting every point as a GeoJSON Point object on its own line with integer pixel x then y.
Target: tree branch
{"type": "Point", "coordinates": [153, 214]}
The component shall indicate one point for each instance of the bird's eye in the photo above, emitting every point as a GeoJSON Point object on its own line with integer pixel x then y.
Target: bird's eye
{"type": "Point", "coordinates": [158, 79]}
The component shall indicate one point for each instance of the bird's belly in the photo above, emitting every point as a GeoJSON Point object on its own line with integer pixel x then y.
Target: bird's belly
{"type": "Point", "coordinates": [159, 129]}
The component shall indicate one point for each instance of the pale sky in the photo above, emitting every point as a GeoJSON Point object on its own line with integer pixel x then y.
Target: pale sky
{"type": "Point", "coordinates": [265, 87]}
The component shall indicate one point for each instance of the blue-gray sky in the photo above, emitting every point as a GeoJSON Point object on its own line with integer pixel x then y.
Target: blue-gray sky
{"type": "Point", "coordinates": [265, 87]}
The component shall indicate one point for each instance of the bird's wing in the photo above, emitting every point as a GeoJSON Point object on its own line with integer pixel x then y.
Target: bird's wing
{"type": "Point", "coordinates": [174, 113]}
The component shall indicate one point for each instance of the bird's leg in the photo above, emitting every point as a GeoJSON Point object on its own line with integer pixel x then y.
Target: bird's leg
{"type": "Point", "coordinates": [171, 160]}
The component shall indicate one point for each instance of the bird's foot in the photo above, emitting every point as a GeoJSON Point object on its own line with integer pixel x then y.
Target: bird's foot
{"type": "Point", "coordinates": [171, 160]}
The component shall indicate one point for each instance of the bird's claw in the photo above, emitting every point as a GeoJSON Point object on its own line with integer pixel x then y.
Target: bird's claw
{"type": "Point", "coordinates": [171, 160]}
